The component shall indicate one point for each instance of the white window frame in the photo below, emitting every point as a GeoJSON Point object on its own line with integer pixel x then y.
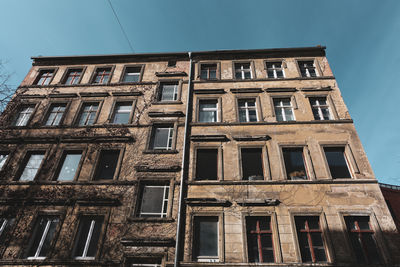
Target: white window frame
{"type": "Point", "coordinates": [24, 115]}
{"type": "Point", "coordinates": [57, 112]}
{"type": "Point", "coordinates": [175, 96]}
{"type": "Point", "coordinates": [42, 239]}
{"type": "Point", "coordinates": [247, 108]}
{"type": "Point", "coordinates": [301, 64]}
{"type": "Point", "coordinates": [242, 70]}
{"type": "Point", "coordinates": [166, 194]}
{"type": "Point", "coordinates": [87, 242]}
{"type": "Point", "coordinates": [214, 109]}
{"type": "Point", "coordinates": [34, 167]}
{"type": "Point", "coordinates": [127, 73]}
{"type": "Point", "coordinates": [283, 107]}
{"type": "Point", "coordinates": [169, 140]}
{"type": "Point", "coordinates": [3, 159]}
{"type": "Point", "coordinates": [275, 69]}
{"type": "Point", "coordinates": [319, 108]}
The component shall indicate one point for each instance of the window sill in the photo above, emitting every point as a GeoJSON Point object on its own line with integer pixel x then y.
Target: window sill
{"type": "Point", "coordinates": [148, 219]}
{"type": "Point", "coordinates": [161, 151]}
{"type": "Point", "coordinates": [168, 102]}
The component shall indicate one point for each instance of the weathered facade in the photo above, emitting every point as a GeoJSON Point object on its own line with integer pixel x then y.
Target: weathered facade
{"type": "Point", "coordinates": [232, 158]}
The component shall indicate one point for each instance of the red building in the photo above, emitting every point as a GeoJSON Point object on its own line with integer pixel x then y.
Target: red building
{"type": "Point", "coordinates": [391, 193]}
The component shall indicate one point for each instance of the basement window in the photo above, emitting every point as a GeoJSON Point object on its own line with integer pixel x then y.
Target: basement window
{"type": "Point", "coordinates": [87, 238]}
{"type": "Point", "coordinates": [294, 163]}
{"type": "Point", "coordinates": [259, 239]}
{"type": "Point", "coordinates": [41, 241]}
{"type": "Point", "coordinates": [310, 239]}
{"type": "Point", "coordinates": [107, 165]}
{"type": "Point", "coordinates": [362, 239]}
{"type": "Point", "coordinates": [205, 239]}
{"type": "Point", "coordinates": [252, 165]}
{"type": "Point", "coordinates": [154, 201]}
{"type": "Point", "coordinates": [207, 164]}
{"type": "Point", "coordinates": [337, 162]}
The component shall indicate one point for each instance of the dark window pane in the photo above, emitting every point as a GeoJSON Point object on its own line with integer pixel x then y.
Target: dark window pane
{"type": "Point", "coordinates": [162, 137]}
{"type": "Point", "coordinates": [207, 164]}
{"type": "Point", "coordinates": [252, 166]}
{"type": "Point", "coordinates": [294, 163]}
{"type": "Point", "coordinates": [87, 237]}
{"type": "Point", "coordinates": [42, 237]}
{"type": "Point", "coordinates": [337, 162]}
{"type": "Point", "coordinates": [153, 201]}
{"type": "Point", "coordinates": [259, 239]}
{"type": "Point", "coordinates": [94, 240]}
{"type": "Point", "coordinates": [107, 164]}
{"type": "Point", "coordinates": [122, 112]}
{"type": "Point", "coordinates": [310, 239]}
{"type": "Point", "coordinates": [206, 236]}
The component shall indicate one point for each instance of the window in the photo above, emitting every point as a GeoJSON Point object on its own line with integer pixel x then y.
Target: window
{"type": "Point", "coordinates": [275, 70]}
{"type": "Point", "coordinates": [69, 165]}
{"type": "Point", "coordinates": [132, 74]}
{"type": "Point", "coordinates": [55, 115]}
{"type": "Point", "coordinates": [310, 239]}
{"type": "Point", "coordinates": [3, 159]}
{"type": "Point", "coordinates": [307, 68]}
{"type": "Point", "coordinates": [337, 162]}
{"type": "Point", "coordinates": [43, 233]}
{"type": "Point", "coordinates": [122, 112]}
{"type": "Point", "coordinates": [208, 71]}
{"type": "Point", "coordinates": [106, 165]}
{"type": "Point", "coordinates": [247, 110]}
{"type": "Point", "coordinates": [162, 137]}
{"type": "Point", "coordinates": [205, 239]}
{"type": "Point", "coordinates": [208, 110]}
{"type": "Point", "coordinates": [87, 238]}
{"type": "Point", "coordinates": [24, 115]}
{"type": "Point", "coordinates": [44, 77]}
{"type": "Point", "coordinates": [207, 164]}
{"type": "Point", "coordinates": [73, 76]}
{"type": "Point", "coordinates": [102, 75]}
{"type": "Point", "coordinates": [5, 226]}
{"type": "Point", "coordinates": [320, 108]}
{"type": "Point", "coordinates": [259, 239]}
{"type": "Point", "coordinates": [87, 115]}
{"type": "Point", "coordinates": [294, 163]}
{"type": "Point", "coordinates": [145, 262]}
{"type": "Point", "coordinates": [283, 109]}
{"type": "Point", "coordinates": [243, 71]}
{"type": "Point", "coordinates": [168, 91]}
{"type": "Point", "coordinates": [362, 239]}
{"type": "Point", "coordinates": [252, 164]}
{"type": "Point", "coordinates": [172, 63]}
{"type": "Point", "coordinates": [33, 162]}
{"type": "Point", "coordinates": [154, 201]}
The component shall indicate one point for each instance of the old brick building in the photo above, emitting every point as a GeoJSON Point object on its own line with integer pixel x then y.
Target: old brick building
{"type": "Point", "coordinates": [230, 158]}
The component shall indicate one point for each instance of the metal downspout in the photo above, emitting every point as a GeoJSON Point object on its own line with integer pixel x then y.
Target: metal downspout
{"type": "Point", "coordinates": [183, 166]}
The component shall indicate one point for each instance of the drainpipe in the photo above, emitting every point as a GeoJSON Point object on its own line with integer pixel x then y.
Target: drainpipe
{"type": "Point", "coordinates": [184, 166]}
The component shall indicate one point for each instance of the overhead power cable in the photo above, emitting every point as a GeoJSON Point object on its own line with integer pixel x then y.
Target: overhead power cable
{"type": "Point", "coordinates": [120, 25]}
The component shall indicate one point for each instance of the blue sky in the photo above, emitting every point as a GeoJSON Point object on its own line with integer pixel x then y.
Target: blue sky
{"type": "Point", "coordinates": [362, 39]}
